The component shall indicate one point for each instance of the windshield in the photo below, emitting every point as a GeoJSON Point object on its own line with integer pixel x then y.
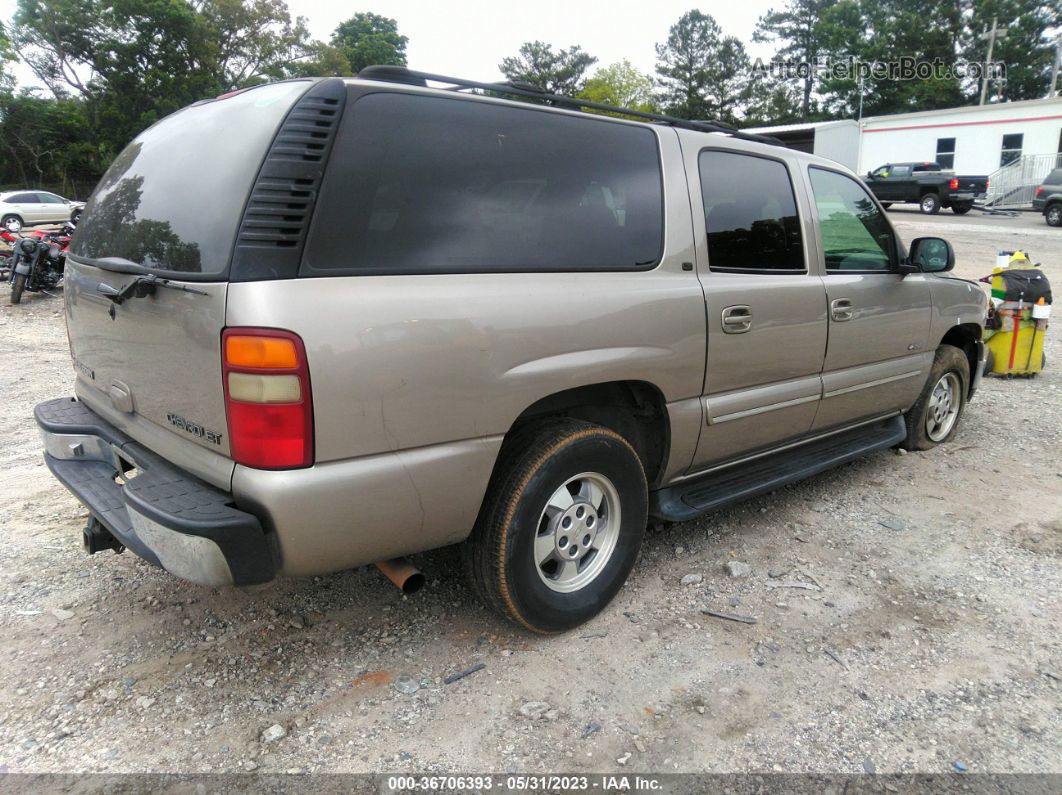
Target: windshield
{"type": "Point", "coordinates": [172, 200]}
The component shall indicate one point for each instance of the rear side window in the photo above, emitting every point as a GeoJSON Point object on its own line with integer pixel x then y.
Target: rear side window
{"type": "Point", "coordinates": [24, 198]}
{"type": "Point", "coordinates": [855, 234]}
{"type": "Point", "coordinates": [432, 185]}
{"type": "Point", "coordinates": [750, 213]}
{"type": "Point", "coordinates": [172, 200]}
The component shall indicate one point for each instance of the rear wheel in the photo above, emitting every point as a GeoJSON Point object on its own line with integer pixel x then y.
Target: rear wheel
{"type": "Point", "coordinates": [930, 204]}
{"type": "Point", "coordinates": [961, 209]}
{"type": "Point", "coordinates": [17, 286]}
{"type": "Point", "coordinates": [12, 223]}
{"type": "Point", "coordinates": [561, 525]}
{"type": "Point", "coordinates": [1053, 215]}
{"type": "Point", "coordinates": [934, 417]}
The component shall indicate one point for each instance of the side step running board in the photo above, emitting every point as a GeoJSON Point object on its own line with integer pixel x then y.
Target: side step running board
{"type": "Point", "coordinates": [718, 488]}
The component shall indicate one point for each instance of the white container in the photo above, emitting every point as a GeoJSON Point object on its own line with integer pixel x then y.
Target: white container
{"type": "Point", "coordinates": [1041, 311]}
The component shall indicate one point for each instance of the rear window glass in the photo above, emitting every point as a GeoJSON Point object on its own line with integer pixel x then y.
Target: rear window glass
{"type": "Point", "coordinates": [172, 200]}
{"type": "Point", "coordinates": [432, 185]}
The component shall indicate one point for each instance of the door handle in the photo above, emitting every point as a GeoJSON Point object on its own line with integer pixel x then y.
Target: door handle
{"type": "Point", "coordinates": [841, 309]}
{"type": "Point", "coordinates": [737, 319]}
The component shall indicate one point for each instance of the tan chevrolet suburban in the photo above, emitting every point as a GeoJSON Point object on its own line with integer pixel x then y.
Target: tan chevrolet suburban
{"type": "Point", "coordinates": [324, 323]}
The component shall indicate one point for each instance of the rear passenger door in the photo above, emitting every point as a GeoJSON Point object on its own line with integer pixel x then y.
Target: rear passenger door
{"type": "Point", "coordinates": [879, 353]}
{"type": "Point", "coordinates": [766, 310]}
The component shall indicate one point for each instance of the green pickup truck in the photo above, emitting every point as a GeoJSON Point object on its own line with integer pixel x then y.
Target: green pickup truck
{"type": "Point", "coordinates": [926, 185]}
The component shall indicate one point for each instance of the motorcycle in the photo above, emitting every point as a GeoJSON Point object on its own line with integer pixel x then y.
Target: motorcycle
{"type": "Point", "coordinates": [38, 261]}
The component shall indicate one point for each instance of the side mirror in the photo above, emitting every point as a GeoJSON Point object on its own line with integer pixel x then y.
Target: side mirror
{"type": "Point", "coordinates": [870, 175]}
{"type": "Point", "coordinates": [931, 255]}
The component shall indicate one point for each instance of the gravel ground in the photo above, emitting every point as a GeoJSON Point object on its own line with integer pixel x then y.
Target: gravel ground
{"type": "Point", "coordinates": [907, 620]}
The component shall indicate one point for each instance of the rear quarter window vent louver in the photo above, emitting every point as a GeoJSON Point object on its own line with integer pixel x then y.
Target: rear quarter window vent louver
{"type": "Point", "coordinates": [278, 212]}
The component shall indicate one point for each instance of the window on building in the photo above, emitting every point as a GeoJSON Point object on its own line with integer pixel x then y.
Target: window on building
{"type": "Point", "coordinates": [946, 152]}
{"type": "Point", "coordinates": [1011, 148]}
{"type": "Point", "coordinates": [855, 234]}
{"type": "Point", "coordinates": [750, 213]}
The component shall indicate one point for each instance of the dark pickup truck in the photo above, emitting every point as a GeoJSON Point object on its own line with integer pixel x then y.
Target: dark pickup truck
{"type": "Point", "coordinates": [926, 185]}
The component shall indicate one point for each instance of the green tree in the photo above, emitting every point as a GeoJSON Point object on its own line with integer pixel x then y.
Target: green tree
{"type": "Point", "coordinates": [702, 73]}
{"type": "Point", "coordinates": [1026, 50]}
{"type": "Point", "coordinates": [796, 31]}
{"type": "Point", "coordinates": [44, 142]}
{"type": "Point", "coordinates": [622, 85]}
{"type": "Point", "coordinates": [367, 39]}
{"type": "Point", "coordinates": [558, 72]}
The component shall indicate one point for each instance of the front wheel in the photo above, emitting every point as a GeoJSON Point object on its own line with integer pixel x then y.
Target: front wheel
{"type": "Point", "coordinates": [961, 209]}
{"type": "Point", "coordinates": [934, 417]}
{"type": "Point", "coordinates": [561, 525]}
{"type": "Point", "coordinates": [1053, 215]}
{"type": "Point", "coordinates": [17, 286]}
{"type": "Point", "coordinates": [75, 216]}
{"type": "Point", "coordinates": [930, 204]}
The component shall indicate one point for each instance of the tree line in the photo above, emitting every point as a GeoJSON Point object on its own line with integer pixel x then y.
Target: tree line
{"type": "Point", "coordinates": [111, 68]}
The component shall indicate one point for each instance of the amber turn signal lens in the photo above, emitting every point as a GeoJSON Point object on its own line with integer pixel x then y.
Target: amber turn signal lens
{"type": "Point", "coordinates": [274, 353]}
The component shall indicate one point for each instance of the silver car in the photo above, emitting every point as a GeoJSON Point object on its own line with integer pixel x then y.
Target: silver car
{"type": "Point", "coordinates": [325, 323]}
{"type": "Point", "coordinates": [19, 208]}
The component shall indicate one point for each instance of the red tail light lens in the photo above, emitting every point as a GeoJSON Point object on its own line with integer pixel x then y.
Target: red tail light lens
{"type": "Point", "coordinates": [954, 184]}
{"type": "Point", "coordinates": [267, 398]}
{"type": "Point", "coordinates": [1039, 190]}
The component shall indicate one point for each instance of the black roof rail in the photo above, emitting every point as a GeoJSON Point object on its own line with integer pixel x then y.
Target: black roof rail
{"type": "Point", "coordinates": [400, 74]}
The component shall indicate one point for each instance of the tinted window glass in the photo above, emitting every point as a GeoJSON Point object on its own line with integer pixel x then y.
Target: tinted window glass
{"type": "Point", "coordinates": [1011, 148]}
{"type": "Point", "coordinates": [901, 171]}
{"type": "Point", "coordinates": [24, 198]}
{"type": "Point", "coordinates": [750, 213]}
{"type": "Point", "coordinates": [855, 234]}
{"type": "Point", "coordinates": [433, 185]}
{"type": "Point", "coordinates": [172, 200]}
{"type": "Point", "coordinates": [49, 198]}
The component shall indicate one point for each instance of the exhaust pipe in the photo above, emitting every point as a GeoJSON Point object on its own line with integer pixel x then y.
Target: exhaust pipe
{"type": "Point", "coordinates": [402, 573]}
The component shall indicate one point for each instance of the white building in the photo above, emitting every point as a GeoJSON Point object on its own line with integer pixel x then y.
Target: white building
{"type": "Point", "coordinates": [837, 140]}
{"type": "Point", "coordinates": [978, 139]}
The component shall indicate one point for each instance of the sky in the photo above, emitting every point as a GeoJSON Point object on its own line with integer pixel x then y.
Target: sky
{"type": "Point", "coordinates": [469, 38]}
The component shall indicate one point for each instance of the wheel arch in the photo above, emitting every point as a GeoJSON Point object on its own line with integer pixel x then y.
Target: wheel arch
{"type": "Point", "coordinates": [964, 336]}
{"type": "Point", "coordinates": [634, 409]}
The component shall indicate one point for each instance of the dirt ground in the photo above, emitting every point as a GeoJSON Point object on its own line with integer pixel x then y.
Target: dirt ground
{"type": "Point", "coordinates": [907, 614]}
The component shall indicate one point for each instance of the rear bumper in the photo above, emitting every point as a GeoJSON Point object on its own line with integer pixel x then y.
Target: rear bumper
{"type": "Point", "coordinates": [163, 514]}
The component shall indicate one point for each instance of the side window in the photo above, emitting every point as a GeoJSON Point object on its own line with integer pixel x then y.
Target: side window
{"type": "Point", "coordinates": [946, 152]}
{"type": "Point", "coordinates": [750, 213]}
{"type": "Point", "coordinates": [880, 172]}
{"type": "Point", "coordinates": [1011, 150]}
{"type": "Point", "coordinates": [49, 198]}
{"type": "Point", "coordinates": [901, 171]}
{"type": "Point", "coordinates": [458, 186]}
{"type": "Point", "coordinates": [24, 198]}
{"type": "Point", "coordinates": [855, 234]}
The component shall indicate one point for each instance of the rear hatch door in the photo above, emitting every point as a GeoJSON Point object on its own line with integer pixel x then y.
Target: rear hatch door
{"type": "Point", "coordinates": [161, 226]}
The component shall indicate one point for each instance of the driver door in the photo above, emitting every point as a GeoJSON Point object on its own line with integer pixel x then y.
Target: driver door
{"type": "Point", "coordinates": [878, 352]}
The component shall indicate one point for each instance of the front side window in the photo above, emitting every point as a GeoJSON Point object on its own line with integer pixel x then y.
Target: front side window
{"type": "Point", "coordinates": [855, 234]}
{"type": "Point", "coordinates": [1011, 148]}
{"type": "Point", "coordinates": [749, 213]}
{"type": "Point", "coordinates": [432, 185]}
{"type": "Point", "coordinates": [50, 198]}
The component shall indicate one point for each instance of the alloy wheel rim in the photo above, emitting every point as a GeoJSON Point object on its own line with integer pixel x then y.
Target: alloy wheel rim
{"type": "Point", "coordinates": [943, 407]}
{"type": "Point", "coordinates": [927, 203]}
{"type": "Point", "coordinates": [1055, 215]}
{"type": "Point", "coordinates": [577, 532]}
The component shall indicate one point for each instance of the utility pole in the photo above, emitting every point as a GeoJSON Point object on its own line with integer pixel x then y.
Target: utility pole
{"type": "Point", "coordinates": [1055, 65]}
{"type": "Point", "coordinates": [991, 35]}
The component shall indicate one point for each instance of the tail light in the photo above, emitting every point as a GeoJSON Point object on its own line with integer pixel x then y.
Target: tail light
{"type": "Point", "coordinates": [1039, 190]}
{"type": "Point", "coordinates": [954, 184]}
{"type": "Point", "coordinates": [267, 398]}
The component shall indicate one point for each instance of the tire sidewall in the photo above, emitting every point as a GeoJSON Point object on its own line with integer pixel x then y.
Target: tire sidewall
{"type": "Point", "coordinates": [7, 219]}
{"type": "Point", "coordinates": [1054, 212]}
{"type": "Point", "coordinates": [947, 359]}
{"type": "Point", "coordinates": [17, 286]}
{"type": "Point", "coordinates": [552, 611]}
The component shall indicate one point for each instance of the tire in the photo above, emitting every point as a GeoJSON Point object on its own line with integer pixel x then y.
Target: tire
{"type": "Point", "coordinates": [518, 554]}
{"type": "Point", "coordinates": [17, 286]}
{"type": "Point", "coordinates": [1053, 215]}
{"type": "Point", "coordinates": [934, 417]}
{"type": "Point", "coordinates": [886, 205]}
{"type": "Point", "coordinates": [961, 209]}
{"type": "Point", "coordinates": [75, 216]}
{"type": "Point", "coordinates": [12, 223]}
{"type": "Point", "coordinates": [990, 362]}
{"type": "Point", "coordinates": [930, 204]}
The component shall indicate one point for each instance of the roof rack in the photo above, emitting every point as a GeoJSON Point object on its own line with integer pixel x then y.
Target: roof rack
{"type": "Point", "coordinates": [400, 74]}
